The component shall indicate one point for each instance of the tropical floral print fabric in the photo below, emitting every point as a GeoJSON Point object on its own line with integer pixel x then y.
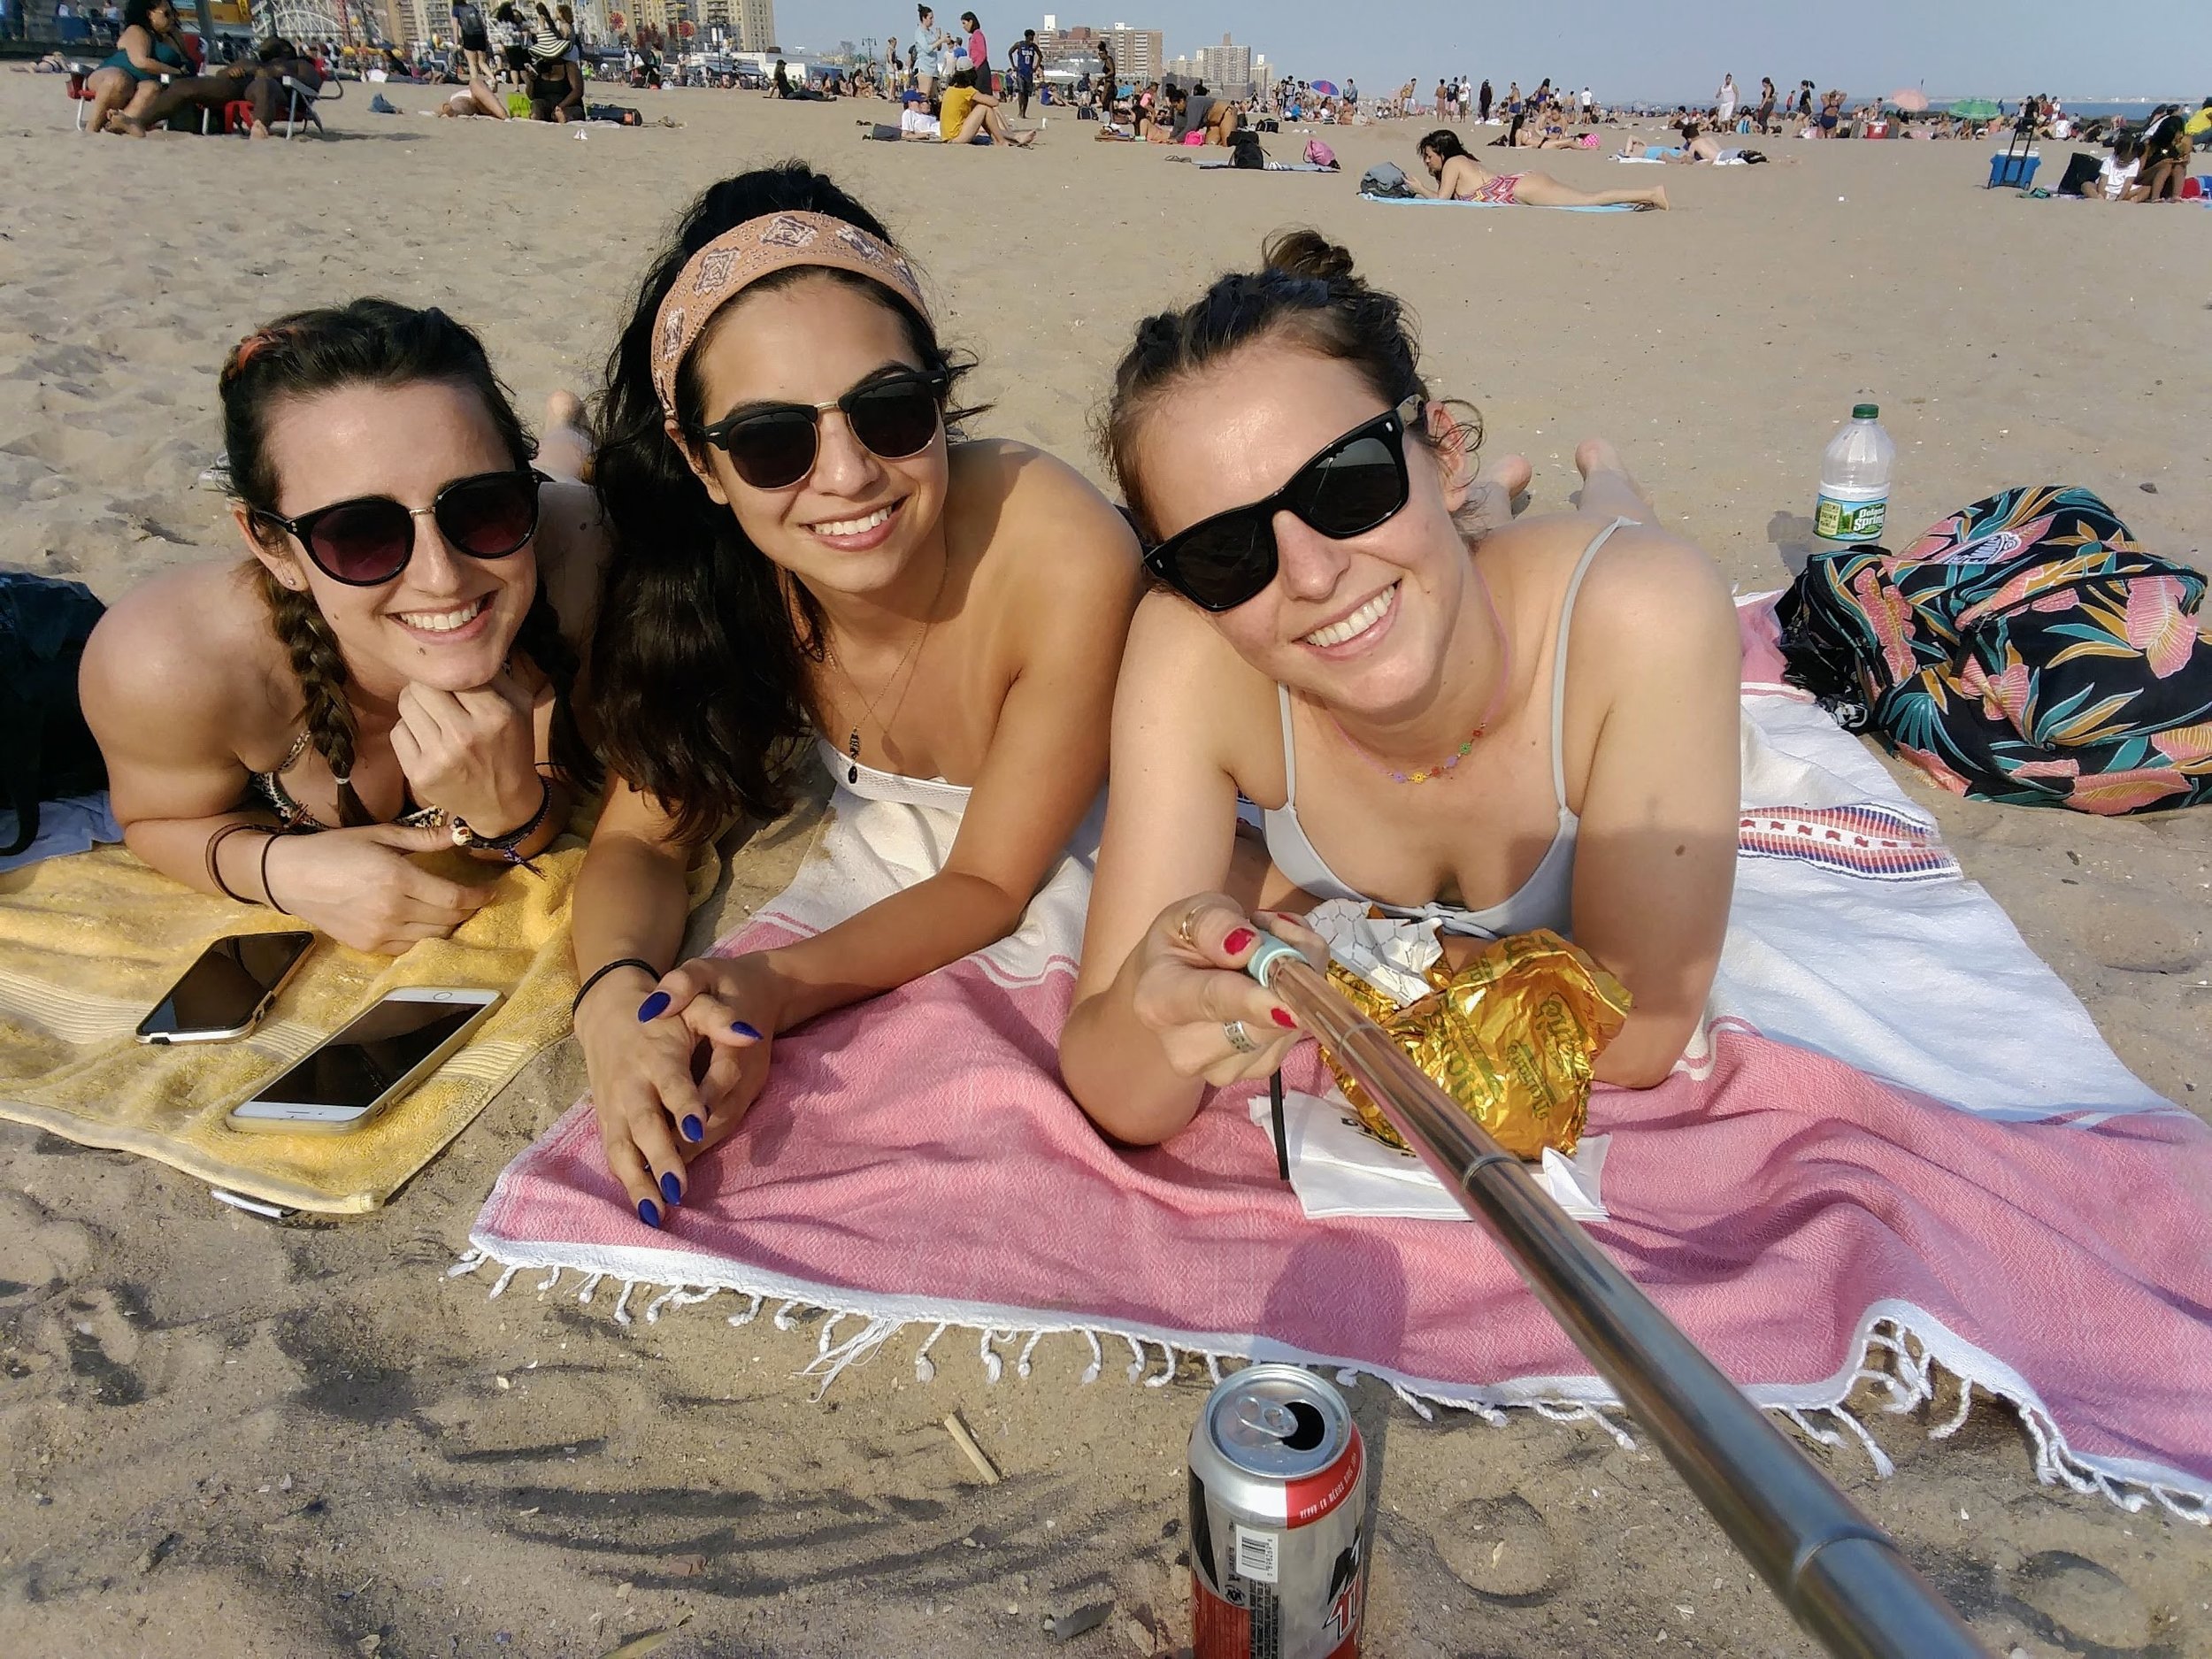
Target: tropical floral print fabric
{"type": "Point", "coordinates": [2025, 650]}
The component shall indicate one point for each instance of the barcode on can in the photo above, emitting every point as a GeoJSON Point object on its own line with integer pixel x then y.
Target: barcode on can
{"type": "Point", "coordinates": [1255, 1555]}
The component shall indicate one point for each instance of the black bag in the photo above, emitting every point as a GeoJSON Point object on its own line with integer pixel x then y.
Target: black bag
{"type": "Point", "coordinates": [2082, 173]}
{"type": "Point", "coordinates": [1386, 179]}
{"type": "Point", "coordinates": [1245, 151]}
{"type": "Point", "coordinates": [621, 114]}
{"type": "Point", "coordinates": [46, 749]}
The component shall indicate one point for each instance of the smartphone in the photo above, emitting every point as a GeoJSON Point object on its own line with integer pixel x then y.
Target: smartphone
{"type": "Point", "coordinates": [383, 1056]}
{"type": "Point", "coordinates": [227, 990]}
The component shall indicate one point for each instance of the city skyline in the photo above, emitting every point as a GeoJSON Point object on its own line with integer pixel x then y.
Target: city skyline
{"type": "Point", "coordinates": [1627, 50]}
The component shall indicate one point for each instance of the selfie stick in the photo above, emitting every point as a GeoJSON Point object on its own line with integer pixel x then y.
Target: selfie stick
{"type": "Point", "coordinates": [1839, 1574]}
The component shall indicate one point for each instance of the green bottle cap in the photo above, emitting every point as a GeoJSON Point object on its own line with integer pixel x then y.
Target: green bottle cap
{"type": "Point", "coordinates": [1865, 411]}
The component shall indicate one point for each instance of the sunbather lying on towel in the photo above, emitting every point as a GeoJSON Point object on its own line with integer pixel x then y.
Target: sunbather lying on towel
{"type": "Point", "coordinates": [390, 669]}
{"type": "Point", "coordinates": [1459, 176]}
{"type": "Point", "coordinates": [1534, 727]}
{"type": "Point", "coordinates": [805, 552]}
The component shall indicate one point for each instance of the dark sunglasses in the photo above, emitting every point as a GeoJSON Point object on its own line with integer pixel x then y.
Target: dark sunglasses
{"type": "Point", "coordinates": [1356, 484]}
{"type": "Point", "coordinates": [366, 541]}
{"type": "Point", "coordinates": [773, 447]}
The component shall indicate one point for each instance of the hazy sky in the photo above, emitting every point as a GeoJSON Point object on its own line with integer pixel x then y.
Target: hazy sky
{"type": "Point", "coordinates": [1652, 49]}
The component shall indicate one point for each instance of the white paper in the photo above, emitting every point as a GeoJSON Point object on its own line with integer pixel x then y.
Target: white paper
{"type": "Point", "coordinates": [1338, 1169]}
{"type": "Point", "coordinates": [1390, 955]}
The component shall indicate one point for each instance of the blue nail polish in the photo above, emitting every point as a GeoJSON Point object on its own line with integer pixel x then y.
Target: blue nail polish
{"type": "Point", "coordinates": [744, 1030]}
{"type": "Point", "coordinates": [649, 1212]}
{"type": "Point", "coordinates": [672, 1189]}
{"type": "Point", "coordinates": [653, 1007]}
{"type": "Point", "coordinates": [694, 1130]}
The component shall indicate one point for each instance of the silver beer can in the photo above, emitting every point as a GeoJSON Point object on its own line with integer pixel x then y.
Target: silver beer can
{"type": "Point", "coordinates": [1277, 1519]}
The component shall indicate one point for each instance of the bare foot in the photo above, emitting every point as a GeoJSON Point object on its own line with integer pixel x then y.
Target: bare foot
{"type": "Point", "coordinates": [565, 449]}
{"type": "Point", "coordinates": [1496, 488]}
{"type": "Point", "coordinates": [1656, 199]}
{"type": "Point", "coordinates": [564, 408]}
{"type": "Point", "coordinates": [1607, 485]}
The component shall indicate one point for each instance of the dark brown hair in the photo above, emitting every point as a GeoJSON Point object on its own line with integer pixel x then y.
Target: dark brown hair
{"type": "Point", "coordinates": [1306, 294]}
{"type": "Point", "coordinates": [701, 660]}
{"type": "Point", "coordinates": [371, 343]}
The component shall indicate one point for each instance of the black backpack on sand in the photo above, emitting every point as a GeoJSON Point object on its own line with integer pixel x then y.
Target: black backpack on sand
{"type": "Point", "coordinates": [46, 749]}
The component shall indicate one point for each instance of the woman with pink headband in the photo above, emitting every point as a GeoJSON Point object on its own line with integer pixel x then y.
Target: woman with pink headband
{"type": "Point", "coordinates": [808, 561]}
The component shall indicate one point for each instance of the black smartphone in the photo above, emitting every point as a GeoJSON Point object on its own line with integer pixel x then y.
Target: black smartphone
{"type": "Point", "coordinates": [227, 990]}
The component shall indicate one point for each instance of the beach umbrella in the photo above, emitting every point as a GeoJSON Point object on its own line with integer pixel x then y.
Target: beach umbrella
{"type": "Point", "coordinates": [1976, 109]}
{"type": "Point", "coordinates": [1327, 89]}
{"type": "Point", "coordinates": [1911, 99]}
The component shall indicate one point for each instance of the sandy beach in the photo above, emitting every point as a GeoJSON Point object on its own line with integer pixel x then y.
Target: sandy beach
{"type": "Point", "coordinates": [221, 1437]}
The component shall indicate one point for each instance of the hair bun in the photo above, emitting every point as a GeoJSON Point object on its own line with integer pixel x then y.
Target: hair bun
{"type": "Point", "coordinates": [1308, 253]}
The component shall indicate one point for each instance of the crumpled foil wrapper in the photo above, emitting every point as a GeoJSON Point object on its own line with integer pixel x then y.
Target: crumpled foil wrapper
{"type": "Point", "coordinates": [1511, 1037]}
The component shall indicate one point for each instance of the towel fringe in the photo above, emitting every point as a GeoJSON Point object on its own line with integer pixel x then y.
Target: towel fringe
{"type": "Point", "coordinates": [1897, 1362]}
{"type": "Point", "coordinates": [925, 1369]}
{"type": "Point", "coordinates": [505, 1280]}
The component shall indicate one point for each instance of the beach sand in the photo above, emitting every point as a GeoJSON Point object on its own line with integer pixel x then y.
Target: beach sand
{"type": "Point", "coordinates": [224, 1438]}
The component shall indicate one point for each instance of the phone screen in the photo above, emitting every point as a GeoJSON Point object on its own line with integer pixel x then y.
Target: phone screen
{"type": "Point", "coordinates": [355, 1067]}
{"type": "Point", "coordinates": [220, 991]}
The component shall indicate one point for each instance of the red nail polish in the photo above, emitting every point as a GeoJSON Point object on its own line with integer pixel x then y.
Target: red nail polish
{"type": "Point", "coordinates": [1281, 1017]}
{"type": "Point", "coordinates": [1238, 942]}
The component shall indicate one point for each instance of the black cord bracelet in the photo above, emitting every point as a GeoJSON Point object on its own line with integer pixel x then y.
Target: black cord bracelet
{"type": "Point", "coordinates": [215, 864]}
{"type": "Point", "coordinates": [267, 892]}
{"type": "Point", "coordinates": [505, 845]}
{"type": "Point", "coordinates": [602, 972]}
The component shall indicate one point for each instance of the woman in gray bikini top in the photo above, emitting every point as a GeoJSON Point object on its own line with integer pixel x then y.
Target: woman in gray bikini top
{"type": "Point", "coordinates": [1499, 727]}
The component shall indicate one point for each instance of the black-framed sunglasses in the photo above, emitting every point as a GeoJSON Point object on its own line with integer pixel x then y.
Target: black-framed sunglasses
{"type": "Point", "coordinates": [774, 446]}
{"type": "Point", "coordinates": [367, 541]}
{"type": "Point", "coordinates": [1349, 487]}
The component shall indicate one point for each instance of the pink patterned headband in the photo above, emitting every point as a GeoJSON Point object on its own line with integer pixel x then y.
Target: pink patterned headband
{"type": "Point", "coordinates": [737, 259]}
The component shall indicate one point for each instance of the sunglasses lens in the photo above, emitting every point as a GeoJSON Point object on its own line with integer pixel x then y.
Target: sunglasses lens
{"type": "Point", "coordinates": [364, 543]}
{"type": "Point", "coordinates": [894, 420]}
{"type": "Point", "coordinates": [1351, 491]}
{"type": "Point", "coordinates": [772, 450]}
{"type": "Point", "coordinates": [489, 517]}
{"type": "Point", "coordinates": [1223, 564]}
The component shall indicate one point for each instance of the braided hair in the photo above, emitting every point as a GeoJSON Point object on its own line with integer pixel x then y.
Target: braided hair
{"type": "Point", "coordinates": [1306, 295]}
{"type": "Point", "coordinates": [376, 342]}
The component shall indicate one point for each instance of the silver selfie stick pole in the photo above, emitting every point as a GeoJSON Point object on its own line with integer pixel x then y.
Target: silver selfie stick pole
{"type": "Point", "coordinates": [1840, 1575]}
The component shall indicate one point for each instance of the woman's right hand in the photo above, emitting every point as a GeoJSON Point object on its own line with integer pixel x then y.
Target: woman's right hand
{"type": "Point", "coordinates": [360, 887]}
{"type": "Point", "coordinates": [642, 1089]}
{"type": "Point", "coordinates": [1189, 988]}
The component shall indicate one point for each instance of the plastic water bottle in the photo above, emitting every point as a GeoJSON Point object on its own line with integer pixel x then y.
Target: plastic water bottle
{"type": "Point", "coordinates": [1855, 483]}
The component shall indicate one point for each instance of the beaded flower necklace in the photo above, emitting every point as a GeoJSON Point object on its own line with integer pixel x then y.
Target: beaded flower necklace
{"type": "Point", "coordinates": [1426, 774]}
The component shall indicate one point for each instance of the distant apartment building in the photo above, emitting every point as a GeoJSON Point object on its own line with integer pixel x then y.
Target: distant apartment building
{"type": "Point", "coordinates": [1226, 69]}
{"type": "Point", "coordinates": [756, 24]}
{"type": "Point", "coordinates": [1139, 54]}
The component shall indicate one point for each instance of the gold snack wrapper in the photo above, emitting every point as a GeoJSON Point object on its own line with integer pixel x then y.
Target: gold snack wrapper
{"type": "Point", "coordinates": [1511, 1037]}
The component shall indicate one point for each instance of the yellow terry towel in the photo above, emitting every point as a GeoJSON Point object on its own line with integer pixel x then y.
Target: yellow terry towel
{"type": "Point", "coordinates": [89, 943]}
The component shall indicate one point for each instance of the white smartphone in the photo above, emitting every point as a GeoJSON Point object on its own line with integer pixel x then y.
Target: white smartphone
{"type": "Point", "coordinates": [227, 990]}
{"type": "Point", "coordinates": [380, 1057]}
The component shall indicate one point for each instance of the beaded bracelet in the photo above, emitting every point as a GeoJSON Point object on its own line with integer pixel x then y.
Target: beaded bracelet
{"type": "Point", "coordinates": [505, 845]}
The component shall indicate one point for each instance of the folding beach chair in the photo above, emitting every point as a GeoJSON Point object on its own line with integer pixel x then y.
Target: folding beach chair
{"type": "Point", "coordinates": [79, 71]}
{"type": "Point", "coordinates": [301, 100]}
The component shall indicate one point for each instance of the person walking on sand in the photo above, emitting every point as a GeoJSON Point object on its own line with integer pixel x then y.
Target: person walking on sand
{"type": "Point", "coordinates": [476, 43]}
{"type": "Point", "coordinates": [1724, 101]}
{"type": "Point", "coordinates": [1022, 63]}
{"type": "Point", "coordinates": [1483, 100]}
{"type": "Point", "coordinates": [1766, 103]}
{"type": "Point", "coordinates": [1460, 178]}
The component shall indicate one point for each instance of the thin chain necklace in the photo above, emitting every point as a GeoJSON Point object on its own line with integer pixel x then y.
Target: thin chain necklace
{"type": "Point", "coordinates": [1426, 774]}
{"type": "Point", "coordinates": [913, 654]}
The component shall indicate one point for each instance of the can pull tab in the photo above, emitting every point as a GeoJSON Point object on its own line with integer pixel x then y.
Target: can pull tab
{"type": "Point", "coordinates": [1296, 1425]}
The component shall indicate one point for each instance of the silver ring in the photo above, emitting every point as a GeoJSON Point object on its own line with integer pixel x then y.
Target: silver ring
{"type": "Point", "coordinates": [1239, 1039]}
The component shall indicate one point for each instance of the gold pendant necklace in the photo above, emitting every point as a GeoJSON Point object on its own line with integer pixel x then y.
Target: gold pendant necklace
{"type": "Point", "coordinates": [913, 655]}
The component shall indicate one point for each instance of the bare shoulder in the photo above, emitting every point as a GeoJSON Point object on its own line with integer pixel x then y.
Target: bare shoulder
{"type": "Point", "coordinates": [1652, 596]}
{"type": "Point", "coordinates": [188, 645]}
{"type": "Point", "coordinates": [1179, 675]}
{"type": "Point", "coordinates": [1055, 533]}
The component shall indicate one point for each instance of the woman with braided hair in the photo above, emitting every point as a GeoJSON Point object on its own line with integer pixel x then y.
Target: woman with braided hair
{"type": "Point", "coordinates": [391, 667]}
{"type": "Point", "coordinates": [1496, 726]}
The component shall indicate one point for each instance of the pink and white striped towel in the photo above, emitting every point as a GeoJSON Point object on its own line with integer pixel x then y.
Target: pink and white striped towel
{"type": "Point", "coordinates": [1900, 1145]}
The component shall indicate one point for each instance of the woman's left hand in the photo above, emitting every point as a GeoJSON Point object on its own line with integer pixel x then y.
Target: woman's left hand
{"type": "Point", "coordinates": [730, 1003]}
{"type": "Point", "coordinates": [473, 753]}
